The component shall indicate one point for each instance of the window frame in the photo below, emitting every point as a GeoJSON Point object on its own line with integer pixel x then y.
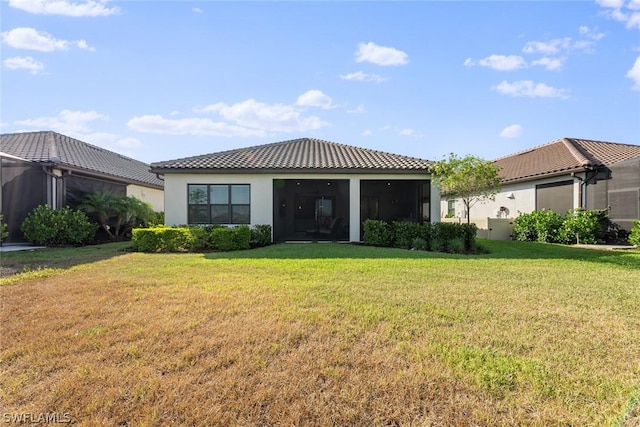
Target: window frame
{"type": "Point", "coordinates": [230, 218]}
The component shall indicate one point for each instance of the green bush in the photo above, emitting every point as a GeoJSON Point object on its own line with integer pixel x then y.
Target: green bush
{"type": "Point", "coordinates": [179, 239]}
{"type": "Point", "coordinates": [577, 226]}
{"type": "Point", "coordinates": [437, 237]}
{"type": "Point", "coordinates": [261, 235]}
{"type": "Point", "coordinates": [231, 239]}
{"type": "Point", "coordinates": [469, 233]}
{"type": "Point", "coordinates": [580, 226]}
{"type": "Point", "coordinates": [541, 226]}
{"type": "Point", "coordinates": [3, 229]}
{"type": "Point", "coordinates": [162, 239]}
{"type": "Point", "coordinates": [49, 227]}
{"type": "Point", "coordinates": [420, 244]}
{"type": "Point", "coordinates": [405, 233]}
{"type": "Point", "coordinates": [634, 237]}
{"type": "Point", "coordinates": [377, 233]}
{"type": "Point", "coordinates": [456, 246]}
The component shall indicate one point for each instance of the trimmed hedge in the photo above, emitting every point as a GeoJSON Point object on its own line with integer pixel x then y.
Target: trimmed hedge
{"type": "Point", "coordinates": [184, 239]}
{"type": "Point", "coordinates": [437, 237]}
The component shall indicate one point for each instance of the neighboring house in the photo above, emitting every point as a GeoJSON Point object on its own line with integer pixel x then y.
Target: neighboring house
{"type": "Point", "coordinates": [306, 189]}
{"type": "Point", "coordinates": [49, 168]}
{"type": "Point", "coordinates": [565, 174]}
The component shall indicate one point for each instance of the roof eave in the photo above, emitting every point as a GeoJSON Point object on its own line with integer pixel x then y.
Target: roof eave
{"type": "Point", "coordinates": [546, 175]}
{"type": "Point", "coordinates": [272, 171]}
{"type": "Point", "coordinates": [95, 174]}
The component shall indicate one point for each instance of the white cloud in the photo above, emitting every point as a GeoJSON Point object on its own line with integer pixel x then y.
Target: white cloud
{"type": "Point", "coordinates": [380, 55]}
{"type": "Point", "coordinates": [530, 89]}
{"type": "Point", "coordinates": [31, 39]}
{"type": "Point", "coordinates": [590, 33]}
{"type": "Point", "coordinates": [315, 98]}
{"type": "Point", "coordinates": [196, 10]}
{"type": "Point", "coordinates": [552, 64]}
{"type": "Point", "coordinates": [272, 118]}
{"type": "Point", "coordinates": [512, 131]}
{"type": "Point", "coordinates": [24, 63]}
{"type": "Point", "coordinates": [615, 4]}
{"type": "Point", "coordinates": [401, 131]}
{"type": "Point", "coordinates": [366, 132]}
{"type": "Point", "coordinates": [190, 126]}
{"type": "Point", "coordinates": [363, 77]}
{"type": "Point", "coordinates": [619, 11]}
{"type": "Point", "coordinates": [66, 121]}
{"type": "Point", "coordinates": [65, 7]}
{"type": "Point", "coordinates": [555, 46]}
{"type": "Point", "coordinates": [634, 74]}
{"type": "Point", "coordinates": [246, 118]}
{"type": "Point", "coordinates": [358, 110]}
{"type": "Point", "coordinates": [498, 62]}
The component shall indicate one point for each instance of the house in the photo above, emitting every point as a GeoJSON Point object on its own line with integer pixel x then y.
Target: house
{"type": "Point", "coordinates": [565, 174]}
{"type": "Point", "coordinates": [49, 168]}
{"type": "Point", "coordinates": [306, 189]}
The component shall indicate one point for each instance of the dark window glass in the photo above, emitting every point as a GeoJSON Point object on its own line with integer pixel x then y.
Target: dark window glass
{"type": "Point", "coordinates": [219, 203]}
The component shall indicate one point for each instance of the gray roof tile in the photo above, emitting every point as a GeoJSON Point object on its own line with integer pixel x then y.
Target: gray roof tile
{"type": "Point", "coordinates": [563, 156]}
{"type": "Point", "coordinates": [304, 154]}
{"type": "Point", "coordinates": [42, 147]}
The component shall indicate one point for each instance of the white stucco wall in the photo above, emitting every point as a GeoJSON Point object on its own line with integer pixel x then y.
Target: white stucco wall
{"type": "Point", "coordinates": [516, 198]}
{"type": "Point", "coordinates": [152, 195]}
{"type": "Point", "coordinates": [175, 194]}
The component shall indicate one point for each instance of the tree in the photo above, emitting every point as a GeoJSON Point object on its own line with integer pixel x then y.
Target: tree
{"type": "Point", "coordinates": [116, 213]}
{"type": "Point", "coordinates": [469, 178]}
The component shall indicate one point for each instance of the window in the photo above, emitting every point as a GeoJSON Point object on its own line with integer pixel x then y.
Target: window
{"type": "Point", "coordinates": [219, 203]}
{"type": "Point", "coordinates": [451, 208]}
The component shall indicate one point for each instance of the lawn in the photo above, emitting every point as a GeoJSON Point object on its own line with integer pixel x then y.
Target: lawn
{"type": "Point", "coordinates": [323, 334]}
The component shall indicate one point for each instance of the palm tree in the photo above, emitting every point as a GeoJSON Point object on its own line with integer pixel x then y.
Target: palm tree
{"type": "Point", "coordinates": [124, 212]}
{"type": "Point", "coordinates": [104, 205]}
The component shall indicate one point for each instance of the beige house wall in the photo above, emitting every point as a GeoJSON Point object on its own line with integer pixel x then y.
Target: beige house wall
{"type": "Point", "coordinates": [175, 193]}
{"type": "Point", "coordinates": [152, 195]}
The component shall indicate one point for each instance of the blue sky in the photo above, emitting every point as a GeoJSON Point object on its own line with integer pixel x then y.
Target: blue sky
{"type": "Point", "coordinates": [168, 79]}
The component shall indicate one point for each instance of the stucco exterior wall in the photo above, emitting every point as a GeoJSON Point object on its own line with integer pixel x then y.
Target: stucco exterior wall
{"type": "Point", "coordinates": [175, 194]}
{"type": "Point", "coordinates": [152, 195]}
{"type": "Point", "coordinates": [520, 197]}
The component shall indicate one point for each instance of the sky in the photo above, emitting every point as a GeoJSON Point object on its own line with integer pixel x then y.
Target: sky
{"type": "Point", "coordinates": [161, 80]}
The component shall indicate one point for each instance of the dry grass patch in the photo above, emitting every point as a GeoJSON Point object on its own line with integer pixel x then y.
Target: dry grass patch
{"type": "Point", "coordinates": [328, 335]}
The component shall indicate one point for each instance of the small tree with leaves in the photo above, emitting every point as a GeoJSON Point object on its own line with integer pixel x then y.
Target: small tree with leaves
{"type": "Point", "coordinates": [469, 178]}
{"type": "Point", "coordinates": [116, 213]}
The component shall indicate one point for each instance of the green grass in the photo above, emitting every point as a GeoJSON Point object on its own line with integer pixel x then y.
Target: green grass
{"type": "Point", "coordinates": [529, 334]}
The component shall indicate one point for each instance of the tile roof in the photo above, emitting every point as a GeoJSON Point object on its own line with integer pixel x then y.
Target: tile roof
{"type": "Point", "coordinates": [44, 147]}
{"type": "Point", "coordinates": [304, 154]}
{"type": "Point", "coordinates": [563, 156]}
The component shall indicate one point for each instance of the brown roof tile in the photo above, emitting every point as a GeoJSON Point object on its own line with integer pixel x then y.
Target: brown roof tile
{"type": "Point", "coordinates": [42, 147]}
{"type": "Point", "coordinates": [305, 154]}
{"type": "Point", "coordinates": [563, 156]}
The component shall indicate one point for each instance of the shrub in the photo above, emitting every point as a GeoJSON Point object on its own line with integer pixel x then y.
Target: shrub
{"type": "Point", "coordinates": [46, 226]}
{"type": "Point", "coordinates": [261, 235]}
{"type": "Point", "coordinates": [162, 239]}
{"type": "Point", "coordinates": [469, 233]}
{"type": "Point", "coordinates": [580, 226]}
{"type": "Point", "coordinates": [3, 229]}
{"type": "Point", "coordinates": [634, 237]}
{"type": "Point", "coordinates": [377, 233]}
{"type": "Point", "coordinates": [231, 239]}
{"type": "Point", "coordinates": [456, 246]}
{"type": "Point", "coordinates": [405, 233]}
{"type": "Point", "coordinates": [420, 244]}
{"type": "Point", "coordinates": [542, 226]}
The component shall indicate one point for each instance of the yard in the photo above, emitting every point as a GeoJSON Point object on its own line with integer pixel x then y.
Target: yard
{"type": "Point", "coordinates": [322, 334]}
